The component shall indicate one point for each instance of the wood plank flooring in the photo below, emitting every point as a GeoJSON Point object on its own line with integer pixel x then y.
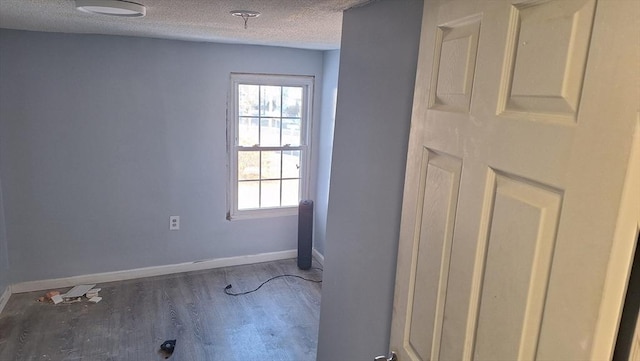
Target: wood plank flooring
{"type": "Point", "coordinates": [278, 322]}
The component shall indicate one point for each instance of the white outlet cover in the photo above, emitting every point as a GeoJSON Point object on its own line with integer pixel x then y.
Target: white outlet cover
{"type": "Point", "coordinates": [174, 223]}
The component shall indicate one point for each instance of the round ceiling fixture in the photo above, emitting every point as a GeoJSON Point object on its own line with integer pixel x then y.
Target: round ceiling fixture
{"type": "Point", "coordinates": [245, 15]}
{"type": "Point", "coordinates": [125, 9]}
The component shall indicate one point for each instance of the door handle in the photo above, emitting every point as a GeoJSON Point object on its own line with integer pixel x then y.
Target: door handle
{"type": "Point", "coordinates": [392, 357]}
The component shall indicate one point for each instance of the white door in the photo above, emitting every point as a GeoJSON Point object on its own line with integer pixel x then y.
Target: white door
{"type": "Point", "coordinates": [513, 245]}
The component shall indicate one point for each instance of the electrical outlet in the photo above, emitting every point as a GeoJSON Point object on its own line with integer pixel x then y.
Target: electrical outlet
{"type": "Point", "coordinates": [174, 223]}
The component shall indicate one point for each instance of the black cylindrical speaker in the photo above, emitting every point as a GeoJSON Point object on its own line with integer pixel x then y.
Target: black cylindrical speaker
{"type": "Point", "coordinates": [305, 234]}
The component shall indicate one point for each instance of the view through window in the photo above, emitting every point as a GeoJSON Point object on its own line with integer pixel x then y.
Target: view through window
{"type": "Point", "coordinates": [270, 135]}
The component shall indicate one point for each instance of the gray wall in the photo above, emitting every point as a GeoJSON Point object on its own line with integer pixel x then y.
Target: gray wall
{"type": "Point", "coordinates": [104, 137]}
{"type": "Point", "coordinates": [329, 93]}
{"type": "Point", "coordinates": [4, 258]}
{"type": "Point", "coordinates": [377, 69]}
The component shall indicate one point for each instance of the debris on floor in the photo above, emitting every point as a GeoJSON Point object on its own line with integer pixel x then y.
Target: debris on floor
{"type": "Point", "coordinates": [50, 294]}
{"type": "Point", "coordinates": [73, 300]}
{"type": "Point", "coordinates": [78, 291]}
{"type": "Point", "coordinates": [51, 297]}
{"type": "Point", "coordinates": [167, 347]}
{"type": "Point", "coordinates": [73, 295]}
{"type": "Point", "coordinates": [92, 293]}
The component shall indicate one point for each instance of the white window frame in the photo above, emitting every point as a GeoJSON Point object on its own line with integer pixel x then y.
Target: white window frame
{"type": "Point", "coordinates": [307, 83]}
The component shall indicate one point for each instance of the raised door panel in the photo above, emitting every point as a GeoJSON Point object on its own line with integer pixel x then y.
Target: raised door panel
{"type": "Point", "coordinates": [520, 225]}
{"type": "Point", "coordinates": [454, 64]}
{"type": "Point", "coordinates": [546, 58]}
{"type": "Point", "coordinates": [433, 238]}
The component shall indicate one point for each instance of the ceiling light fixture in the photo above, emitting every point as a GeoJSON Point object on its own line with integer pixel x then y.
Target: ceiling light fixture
{"type": "Point", "coordinates": [245, 15]}
{"type": "Point", "coordinates": [112, 8]}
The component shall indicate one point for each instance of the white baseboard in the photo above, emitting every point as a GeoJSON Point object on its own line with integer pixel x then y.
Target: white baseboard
{"type": "Point", "coordinates": [318, 256]}
{"type": "Point", "coordinates": [150, 271]}
{"type": "Point", "coordinates": [4, 297]}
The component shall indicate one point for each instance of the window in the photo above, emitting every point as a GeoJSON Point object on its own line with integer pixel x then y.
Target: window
{"type": "Point", "coordinates": [268, 126]}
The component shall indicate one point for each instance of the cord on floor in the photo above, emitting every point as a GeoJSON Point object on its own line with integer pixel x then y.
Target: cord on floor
{"type": "Point", "coordinates": [226, 289]}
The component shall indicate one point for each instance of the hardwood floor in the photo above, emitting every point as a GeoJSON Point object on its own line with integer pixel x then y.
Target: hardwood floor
{"type": "Point", "coordinates": [278, 322]}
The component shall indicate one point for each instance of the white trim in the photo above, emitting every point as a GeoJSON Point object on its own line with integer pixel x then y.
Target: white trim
{"type": "Point", "coordinates": [318, 256]}
{"type": "Point", "coordinates": [4, 298]}
{"type": "Point", "coordinates": [150, 271]}
{"type": "Point", "coordinates": [264, 212]}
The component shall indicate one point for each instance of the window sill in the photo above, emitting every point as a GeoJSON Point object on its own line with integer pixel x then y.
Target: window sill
{"type": "Point", "coordinates": [263, 213]}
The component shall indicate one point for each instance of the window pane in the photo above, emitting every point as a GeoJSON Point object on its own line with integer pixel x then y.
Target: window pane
{"type": "Point", "coordinates": [270, 101]}
{"type": "Point", "coordinates": [292, 102]}
{"type": "Point", "coordinates": [291, 132]}
{"type": "Point", "coordinates": [248, 132]}
{"type": "Point", "coordinates": [269, 132]}
{"type": "Point", "coordinates": [290, 192]}
{"type": "Point", "coordinates": [291, 164]}
{"type": "Point", "coordinates": [248, 195]}
{"type": "Point", "coordinates": [248, 99]}
{"type": "Point", "coordinates": [270, 194]}
{"type": "Point", "coordinates": [270, 165]}
{"type": "Point", "coordinates": [248, 165]}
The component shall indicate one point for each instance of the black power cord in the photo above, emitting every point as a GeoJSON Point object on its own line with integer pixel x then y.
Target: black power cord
{"type": "Point", "coordinates": [226, 289]}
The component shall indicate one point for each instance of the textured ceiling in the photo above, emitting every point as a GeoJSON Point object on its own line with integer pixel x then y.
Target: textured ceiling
{"type": "Point", "coordinates": [310, 24]}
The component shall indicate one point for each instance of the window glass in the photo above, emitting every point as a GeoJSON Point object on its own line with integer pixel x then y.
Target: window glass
{"type": "Point", "coordinates": [248, 131]}
{"type": "Point", "coordinates": [248, 195]}
{"type": "Point", "coordinates": [291, 164]}
{"type": "Point", "coordinates": [270, 132]}
{"type": "Point", "coordinates": [248, 165]}
{"type": "Point", "coordinates": [292, 102]}
{"type": "Point", "coordinates": [270, 100]}
{"type": "Point", "coordinates": [248, 100]}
